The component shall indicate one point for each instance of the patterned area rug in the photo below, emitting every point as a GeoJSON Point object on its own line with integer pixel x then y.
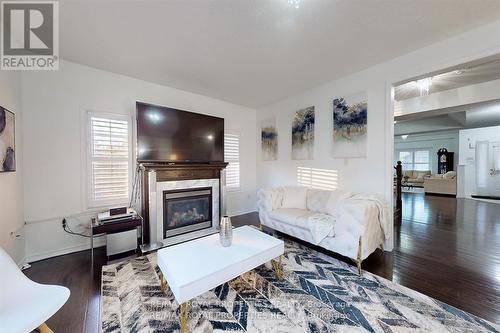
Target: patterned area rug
{"type": "Point", "coordinates": [317, 294]}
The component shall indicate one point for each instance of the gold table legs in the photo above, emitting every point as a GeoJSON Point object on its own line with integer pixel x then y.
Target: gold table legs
{"type": "Point", "coordinates": [184, 316]}
{"type": "Point", "coordinates": [44, 329]}
{"type": "Point", "coordinates": [163, 284]}
{"type": "Point", "coordinates": [278, 267]}
{"type": "Point", "coordinates": [183, 306]}
{"type": "Point", "coordinates": [359, 258]}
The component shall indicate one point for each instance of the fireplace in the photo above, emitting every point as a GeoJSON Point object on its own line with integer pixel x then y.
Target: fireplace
{"type": "Point", "coordinates": [186, 210]}
{"type": "Point", "coordinates": [182, 203]}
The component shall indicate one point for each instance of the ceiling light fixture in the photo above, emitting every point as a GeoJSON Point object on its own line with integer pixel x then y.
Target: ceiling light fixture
{"type": "Point", "coordinates": [424, 85]}
{"type": "Point", "coordinates": [294, 3]}
{"type": "Point", "coordinates": [461, 71]}
{"type": "Point", "coordinates": [404, 136]}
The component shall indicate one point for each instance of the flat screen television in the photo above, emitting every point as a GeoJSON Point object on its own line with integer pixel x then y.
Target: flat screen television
{"type": "Point", "coordinates": [170, 135]}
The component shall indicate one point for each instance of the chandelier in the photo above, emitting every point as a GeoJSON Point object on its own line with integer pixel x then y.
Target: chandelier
{"type": "Point", "coordinates": [294, 3]}
{"type": "Point", "coordinates": [424, 85]}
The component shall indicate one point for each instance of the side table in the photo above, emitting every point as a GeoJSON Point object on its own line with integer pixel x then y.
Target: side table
{"type": "Point", "coordinates": [113, 227]}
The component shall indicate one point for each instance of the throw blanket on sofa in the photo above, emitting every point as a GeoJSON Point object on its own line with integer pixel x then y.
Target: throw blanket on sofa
{"type": "Point", "coordinates": [321, 226]}
{"type": "Point", "coordinates": [384, 210]}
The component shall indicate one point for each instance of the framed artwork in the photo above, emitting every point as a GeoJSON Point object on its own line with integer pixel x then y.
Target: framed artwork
{"type": "Point", "coordinates": [7, 141]}
{"type": "Point", "coordinates": [350, 126]}
{"type": "Point", "coordinates": [269, 138]}
{"type": "Point", "coordinates": [303, 134]}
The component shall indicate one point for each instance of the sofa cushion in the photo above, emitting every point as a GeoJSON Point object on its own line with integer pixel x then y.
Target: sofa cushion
{"type": "Point", "coordinates": [408, 173]}
{"type": "Point", "coordinates": [335, 200]}
{"type": "Point", "coordinates": [317, 200]}
{"type": "Point", "coordinates": [294, 197]}
{"type": "Point", "coordinates": [450, 175]}
{"type": "Point", "coordinates": [421, 174]}
{"type": "Point", "coordinates": [292, 216]}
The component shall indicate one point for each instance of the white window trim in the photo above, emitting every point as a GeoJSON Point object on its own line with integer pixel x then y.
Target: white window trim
{"type": "Point", "coordinates": [234, 189]}
{"type": "Point", "coordinates": [90, 203]}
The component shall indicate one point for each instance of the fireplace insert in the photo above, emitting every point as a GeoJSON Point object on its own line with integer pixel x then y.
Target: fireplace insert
{"type": "Point", "coordinates": [186, 210]}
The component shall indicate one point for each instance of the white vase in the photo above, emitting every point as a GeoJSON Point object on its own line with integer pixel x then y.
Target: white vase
{"type": "Point", "coordinates": [226, 231]}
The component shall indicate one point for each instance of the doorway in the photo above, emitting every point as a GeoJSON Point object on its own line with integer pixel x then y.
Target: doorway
{"type": "Point", "coordinates": [447, 132]}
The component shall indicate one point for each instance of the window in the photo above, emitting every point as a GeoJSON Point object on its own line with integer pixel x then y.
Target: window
{"type": "Point", "coordinates": [406, 158]}
{"type": "Point", "coordinates": [232, 156]}
{"type": "Point", "coordinates": [108, 159]}
{"type": "Point", "coordinates": [421, 160]}
{"type": "Point", "coordinates": [415, 159]}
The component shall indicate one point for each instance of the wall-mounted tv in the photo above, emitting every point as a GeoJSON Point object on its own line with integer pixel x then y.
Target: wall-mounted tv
{"type": "Point", "coordinates": [170, 135]}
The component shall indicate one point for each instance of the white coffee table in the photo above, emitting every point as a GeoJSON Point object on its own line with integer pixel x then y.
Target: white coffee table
{"type": "Point", "coordinates": [197, 266]}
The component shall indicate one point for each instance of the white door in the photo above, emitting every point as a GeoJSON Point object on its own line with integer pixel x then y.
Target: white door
{"type": "Point", "coordinates": [494, 183]}
{"type": "Point", "coordinates": [488, 168]}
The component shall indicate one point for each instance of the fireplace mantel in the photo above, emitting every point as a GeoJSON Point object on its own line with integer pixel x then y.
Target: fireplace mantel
{"type": "Point", "coordinates": [178, 171]}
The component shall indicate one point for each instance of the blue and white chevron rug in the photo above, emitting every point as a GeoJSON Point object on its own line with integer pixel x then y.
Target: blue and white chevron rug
{"type": "Point", "coordinates": [318, 294]}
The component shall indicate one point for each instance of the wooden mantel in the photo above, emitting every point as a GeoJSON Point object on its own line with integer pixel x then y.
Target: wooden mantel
{"type": "Point", "coordinates": [172, 172]}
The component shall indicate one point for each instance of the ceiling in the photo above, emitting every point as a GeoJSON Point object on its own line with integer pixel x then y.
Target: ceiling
{"type": "Point", "coordinates": [257, 52]}
{"type": "Point", "coordinates": [460, 77]}
{"type": "Point", "coordinates": [477, 115]}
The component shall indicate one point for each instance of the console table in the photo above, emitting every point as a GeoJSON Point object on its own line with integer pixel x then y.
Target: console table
{"type": "Point", "coordinates": [113, 227]}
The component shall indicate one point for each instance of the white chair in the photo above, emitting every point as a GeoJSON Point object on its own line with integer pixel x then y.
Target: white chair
{"type": "Point", "coordinates": [26, 305]}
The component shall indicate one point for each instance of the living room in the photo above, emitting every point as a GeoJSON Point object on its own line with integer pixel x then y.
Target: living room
{"type": "Point", "coordinates": [282, 143]}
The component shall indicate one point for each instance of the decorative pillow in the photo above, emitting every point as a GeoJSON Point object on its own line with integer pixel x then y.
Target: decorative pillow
{"type": "Point", "coordinates": [422, 174]}
{"type": "Point", "coordinates": [317, 200]}
{"type": "Point", "coordinates": [335, 200]}
{"type": "Point", "coordinates": [294, 197]}
{"type": "Point", "coordinates": [450, 175]}
{"type": "Point", "coordinates": [408, 173]}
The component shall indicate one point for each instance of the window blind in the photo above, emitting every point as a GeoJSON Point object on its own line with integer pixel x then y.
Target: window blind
{"type": "Point", "coordinates": [421, 160]}
{"type": "Point", "coordinates": [109, 160]}
{"type": "Point", "coordinates": [232, 156]}
{"type": "Point", "coordinates": [415, 159]}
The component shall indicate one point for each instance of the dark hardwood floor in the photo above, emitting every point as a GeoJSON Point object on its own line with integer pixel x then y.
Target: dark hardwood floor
{"type": "Point", "coordinates": [446, 248]}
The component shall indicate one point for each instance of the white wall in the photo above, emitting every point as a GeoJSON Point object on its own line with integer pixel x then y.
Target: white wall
{"type": "Point", "coordinates": [11, 188]}
{"type": "Point", "coordinates": [432, 141]}
{"type": "Point", "coordinates": [352, 173]}
{"type": "Point", "coordinates": [373, 173]}
{"type": "Point", "coordinates": [466, 168]}
{"type": "Point", "coordinates": [54, 107]}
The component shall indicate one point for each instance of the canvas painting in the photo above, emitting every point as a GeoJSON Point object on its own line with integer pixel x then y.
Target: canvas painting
{"type": "Point", "coordinates": [303, 134]}
{"type": "Point", "coordinates": [7, 141]}
{"type": "Point", "coordinates": [269, 136]}
{"type": "Point", "coordinates": [350, 124]}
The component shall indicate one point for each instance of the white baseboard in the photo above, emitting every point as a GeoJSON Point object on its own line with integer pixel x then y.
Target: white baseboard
{"type": "Point", "coordinates": [85, 246]}
{"type": "Point", "coordinates": [21, 262]}
{"type": "Point", "coordinates": [71, 249]}
{"type": "Point", "coordinates": [485, 200]}
{"type": "Point", "coordinates": [243, 212]}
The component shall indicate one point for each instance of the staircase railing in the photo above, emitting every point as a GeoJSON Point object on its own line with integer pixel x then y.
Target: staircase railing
{"type": "Point", "coordinates": [399, 202]}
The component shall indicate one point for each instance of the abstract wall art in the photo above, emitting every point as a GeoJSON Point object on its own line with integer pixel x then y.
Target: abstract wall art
{"type": "Point", "coordinates": [7, 141]}
{"type": "Point", "coordinates": [303, 134]}
{"type": "Point", "coordinates": [350, 125]}
{"type": "Point", "coordinates": [269, 136]}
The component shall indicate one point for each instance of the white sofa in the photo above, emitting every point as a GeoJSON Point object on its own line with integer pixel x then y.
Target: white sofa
{"type": "Point", "coordinates": [441, 184]}
{"type": "Point", "coordinates": [361, 222]}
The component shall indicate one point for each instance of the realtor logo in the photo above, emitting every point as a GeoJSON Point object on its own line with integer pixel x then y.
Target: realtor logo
{"type": "Point", "coordinates": [30, 36]}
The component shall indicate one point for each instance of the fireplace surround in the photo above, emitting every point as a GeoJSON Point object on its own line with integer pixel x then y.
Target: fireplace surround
{"type": "Point", "coordinates": [181, 202]}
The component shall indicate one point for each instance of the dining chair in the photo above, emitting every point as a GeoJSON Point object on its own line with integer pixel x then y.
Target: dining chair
{"type": "Point", "coordinates": [24, 304]}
